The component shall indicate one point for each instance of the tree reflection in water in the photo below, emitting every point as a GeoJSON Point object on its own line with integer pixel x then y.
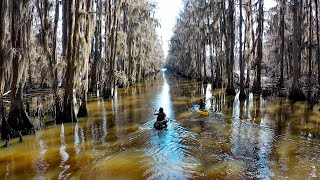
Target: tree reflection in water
{"type": "Point", "coordinates": [257, 138]}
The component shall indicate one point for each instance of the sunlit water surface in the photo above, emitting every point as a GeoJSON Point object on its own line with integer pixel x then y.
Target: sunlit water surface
{"type": "Point", "coordinates": [256, 139]}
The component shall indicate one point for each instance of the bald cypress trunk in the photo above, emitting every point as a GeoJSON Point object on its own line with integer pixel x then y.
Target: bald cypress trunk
{"type": "Point", "coordinates": [97, 50]}
{"type": "Point", "coordinates": [310, 43]}
{"type": "Point", "coordinates": [58, 104]}
{"type": "Point", "coordinates": [296, 93]}
{"type": "Point", "coordinates": [112, 47]}
{"type": "Point", "coordinates": [252, 50]}
{"type": "Point", "coordinates": [258, 64]}
{"type": "Point", "coordinates": [20, 35]}
{"type": "Point", "coordinates": [318, 39]}
{"type": "Point", "coordinates": [242, 95]}
{"type": "Point", "coordinates": [106, 88]}
{"type": "Point", "coordinates": [281, 81]}
{"type": "Point", "coordinates": [65, 19]}
{"type": "Point", "coordinates": [231, 37]}
{"type": "Point", "coordinates": [83, 112]}
{"type": "Point", "coordinates": [3, 59]}
{"type": "Point", "coordinates": [68, 107]}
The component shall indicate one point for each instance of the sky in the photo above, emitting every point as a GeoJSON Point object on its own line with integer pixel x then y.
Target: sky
{"type": "Point", "coordinates": [167, 13]}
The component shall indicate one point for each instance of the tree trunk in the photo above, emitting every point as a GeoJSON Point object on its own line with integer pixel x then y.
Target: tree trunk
{"type": "Point", "coordinates": [86, 43]}
{"type": "Point", "coordinates": [231, 37]}
{"type": "Point", "coordinates": [65, 21]}
{"type": "Point", "coordinates": [111, 58]}
{"type": "Point", "coordinates": [97, 51]}
{"type": "Point", "coordinates": [68, 107]}
{"type": "Point", "coordinates": [296, 93]}
{"type": "Point", "coordinates": [3, 57]}
{"type": "Point", "coordinates": [107, 86]}
{"type": "Point", "coordinates": [58, 106]}
{"type": "Point", "coordinates": [204, 59]}
{"type": "Point", "coordinates": [253, 47]}
{"type": "Point", "coordinates": [219, 56]}
{"type": "Point", "coordinates": [257, 79]}
{"type": "Point", "coordinates": [96, 59]}
{"type": "Point", "coordinates": [204, 55]}
{"type": "Point", "coordinates": [211, 60]}
{"type": "Point", "coordinates": [318, 40]}
{"type": "Point", "coordinates": [310, 43]}
{"type": "Point", "coordinates": [281, 81]}
{"type": "Point", "coordinates": [242, 95]}
{"type": "Point", "coordinates": [17, 118]}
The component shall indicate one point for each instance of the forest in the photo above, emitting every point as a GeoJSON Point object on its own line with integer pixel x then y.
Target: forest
{"type": "Point", "coordinates": [242, 46]}
{"type": "Point", "coordinates": [71, 48]}
{"type": "Point", "coordinates": [89, 91]}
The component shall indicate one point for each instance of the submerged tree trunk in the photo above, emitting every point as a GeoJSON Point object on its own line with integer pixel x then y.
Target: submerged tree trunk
{"type": "Point", "coordinates": [257, 79]}
{"type": "Point", "coordinates": [296, 93]}
{"type": "Point", "coordinates": [253, 46]}
{"type": "Point", "coordinates": [310, 44]}
{"type": "Point", "coordinates": [86, 43]}
{"type": "Point", "coordinates": [211, 50]}
{"type": "Point", "coordinates": [20, 35]}
{"type": "Point", "coordinates": [281, 81]}
{"type": "Point", "coordinates": [231, 37]}
{"type": "Point", "coordinates": [97, 50]}
{"type": "Point", "coordinates": [58, 104]}
{"type": "Point", "coordinates": [65, 19]}
{"type": "Point", "coordinates": [242, 94]}
{"type": "Point", "coordinates": [219, 57]}
{"type": "Point", "coordinates": [318, 40]}
{"type": "Point", "coordinates": [17, 118]}
{"type": "Point", "coordinates": [107, 85]}
{"type": "Point", "coordinates": [68, 106]}
{"type": "Point", "coordinates": [211, 60]}
{"type": "Point", "coordinates": [3, 59]}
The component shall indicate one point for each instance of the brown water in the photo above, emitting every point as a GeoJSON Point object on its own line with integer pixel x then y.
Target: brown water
{"type": "Point", "coordinates": [256, 139]}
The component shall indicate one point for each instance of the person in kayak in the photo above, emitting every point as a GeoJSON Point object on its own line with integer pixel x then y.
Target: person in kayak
{"type": "Point", "coordinates": [202, 104]}
{"type": "Point", "coordinates": [161, 118]}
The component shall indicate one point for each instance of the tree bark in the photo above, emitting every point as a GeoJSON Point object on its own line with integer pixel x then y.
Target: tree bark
{"type": "Point", "coordinates": [318, 40]}
{"type": "Point", "coordinates": [296, 93]}
{"type": "Point", "coordinates": [253, 47]}
{"type": "Point", "coordinates": [58, 104]}
{"type": "Point", "coordinates": [17, 118]}
{"type": "Point", "coordinates": [86, 43]}
{"type": "Point", "coordinates": [231, 37]}
{"type": "Point", "coordinates": [281, 81]}
{"type": "Point", "coordinates": [257, 80]}
{"type": "Point", "coordinates": [65, 22]}
{"type": "Point", "coordinates": [310, 43]}
{"type": "Point", "coordinates": [3, 21]}
{"type": "Point", "coordinates": [73, 25]}
{"type": "Point", "coordinates": [242, 95]}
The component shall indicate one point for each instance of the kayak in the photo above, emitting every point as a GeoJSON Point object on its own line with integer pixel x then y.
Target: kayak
{"type": "Point", "coordinates": [159, 125]}
{"type": "Point", "coordinates": [203, 112]}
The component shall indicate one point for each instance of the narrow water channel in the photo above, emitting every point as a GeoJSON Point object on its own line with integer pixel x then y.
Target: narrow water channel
{"type": "Point", "coordinates": [258, 139]}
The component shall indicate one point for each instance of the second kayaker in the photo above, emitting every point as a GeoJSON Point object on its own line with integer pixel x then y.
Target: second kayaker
{"type": "Point", "coordinates": [202, 104]}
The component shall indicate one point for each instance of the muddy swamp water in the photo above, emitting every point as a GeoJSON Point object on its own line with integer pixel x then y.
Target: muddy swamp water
{"type": "Point", "coordinates": [270, 138]}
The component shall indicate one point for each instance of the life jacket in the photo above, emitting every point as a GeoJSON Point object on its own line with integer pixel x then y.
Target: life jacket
{"type": "Point", "coordinates": [202, 105]}
{"type": "Point", "coordinates": [161, 116]}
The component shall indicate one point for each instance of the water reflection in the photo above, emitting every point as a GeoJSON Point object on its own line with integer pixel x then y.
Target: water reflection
{"type": "Point", "coordinates": [270, 138]}
{"type": "Point", "coordinates": [251, 143]}
{"type": "Point", "coordinates": [163, 98]}
{"type": "Point", "coordinates": [64, 156]}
